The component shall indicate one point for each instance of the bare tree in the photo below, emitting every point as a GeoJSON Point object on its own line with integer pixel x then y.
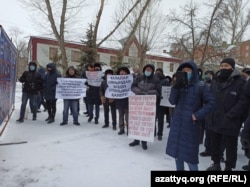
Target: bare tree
{"type": "Point", "coordinates": [149, 32]}
{"type": "Point", "coordinates": [203, 39]}
{"type": "Point", "coordinates": [236, 18]}
{"type": "Point", "coordinates": [132, 25]}
{"type": "Point", "coordinates": [68, 10]}
{"type": "Point", "coordinates": [200, 36]}
{"type": "Point", "coordinates": [19, 41]}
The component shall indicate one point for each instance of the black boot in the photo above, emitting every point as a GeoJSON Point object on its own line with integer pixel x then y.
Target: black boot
{"type": "Point", "coordinates": [144, 145]}
{"type": "Point", "coordinates": [122, 131]}
{"type": "Point", "coordinates": [51, 120]}
{"type": "Point", "coordinates": [90, 119]}
{"type": "Point", "coordinates": [246, 167]}
{"type": "Point", "coordinates": [48, 118]}
{"type": "Point", "coordinates": [96, 121]}
{"type": "Point", "coordinates": [34, 118]}
{"type": "Point", "coordinates": [214, 167]}
{"type": "Point", "coordinates": [134, 143]}
{"type": "Point", "coordinates": [20, 120]}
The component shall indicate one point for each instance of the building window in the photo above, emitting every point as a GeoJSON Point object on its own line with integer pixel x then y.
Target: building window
{"type": "Point", "coordinates": [171, 67]}
{"type": "Point", "coordinates": [246, 54]}
{"type": "Point", "coordinates": [76, 56]}
{"type": "Point", "coordinates": [132, 62]}
{"type": "Point", "coordinates": [247, 47]}
{"type": "Point", "coordinates": [113, 61]}
{"type": "Point", "coordinates": [98, 58]}
{"type": "Point", "coordinates": [133, 51]}
{"type": "Point", "coordinates": [159, 65]}
{"type": "Point", "coordinates": [53, 53]}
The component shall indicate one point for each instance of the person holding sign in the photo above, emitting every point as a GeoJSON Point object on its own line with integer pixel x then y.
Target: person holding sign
{"type": "Point", "coordinates": [70, 103]}
{"type": "Point", "coordinates": [122, 105]}
{"type": "Point", "coordinates": [108, 102]}
{"type": "Point", "coordinates": [146, 84]}
{"type": "Point", "coordinates": [94, 80]}
{"type": "Point", "coordinates": [191, 106]}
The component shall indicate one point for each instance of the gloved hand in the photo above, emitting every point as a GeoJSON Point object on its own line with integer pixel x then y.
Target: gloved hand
{"type": "Point", "coordinates": [181, 80]}
{"type": "Point", "coordinates": [103, 99]}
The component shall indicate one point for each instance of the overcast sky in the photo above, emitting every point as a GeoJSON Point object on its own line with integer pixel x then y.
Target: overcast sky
{"type": "Point", "coordinates": [13, 14]}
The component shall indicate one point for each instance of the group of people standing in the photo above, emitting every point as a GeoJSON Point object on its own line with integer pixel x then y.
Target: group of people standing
{"type": "Point", "coordinates": [222, 102]}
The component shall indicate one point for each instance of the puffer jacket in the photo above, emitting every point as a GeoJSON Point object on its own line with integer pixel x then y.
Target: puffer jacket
{"type": "Point", "coordinates": [183, 139]}
{"type": "Point", "coordinates": [50, 82]}
{"type": "Point", "coordinates": [147, 85]}
{"type": "Point", "coordinates": [231, 104]}
{"type": "Point", "coordinates": [32, 81]}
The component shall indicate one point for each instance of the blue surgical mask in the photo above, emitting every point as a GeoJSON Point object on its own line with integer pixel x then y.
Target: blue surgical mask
{"type": "Point", "coordinates": [32, 67]}
{"type": "Point", "coordinates": [147, 73]}
{"type": "Point", "coordinates": [189, 75]}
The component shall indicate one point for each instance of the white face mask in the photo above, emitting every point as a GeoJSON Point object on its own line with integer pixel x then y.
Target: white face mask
{"type": "Point", "coordinates": [32, 67]}
{"type": "Point", "coordinates": [147, 73]}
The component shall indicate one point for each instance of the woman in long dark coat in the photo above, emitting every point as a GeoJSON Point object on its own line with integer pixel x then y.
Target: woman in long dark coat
{"type": "Point", "coordinates": [193, 102]}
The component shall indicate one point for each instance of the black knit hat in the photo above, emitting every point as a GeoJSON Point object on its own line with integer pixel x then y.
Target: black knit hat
{"type": "Point", "coordinates": [160, 70]}
{"type": "Point", "coordinates": [109, 71]}
{"type": "Point", "coordinates": [123, 69]}
{"type": "Point", "coordinates": [229, 61]}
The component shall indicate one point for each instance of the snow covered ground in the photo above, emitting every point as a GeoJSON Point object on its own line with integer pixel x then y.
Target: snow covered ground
{"type": "Point", "coordinates": [77, 156]}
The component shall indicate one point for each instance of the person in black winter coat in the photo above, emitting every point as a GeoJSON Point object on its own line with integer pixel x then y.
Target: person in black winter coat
{"type": "Point", "coordinates": [227, 119]}
{"type": "Point", "coordinates": [49, 92]}
{"type": "Point", "coordinates": [245, 133]}
{"type": "Point", "coordinates": [32, 83]}
{"type": "Point", "coordinates": [146, 84]}
{"type": "Point", "coordinates": [93, 98]}
{"type": "Point", "coordinates": [41, 100]}
{"type": "Point", "coordinates": [161, 110]}
{"type": "Point", "coordinates": [108, 103]}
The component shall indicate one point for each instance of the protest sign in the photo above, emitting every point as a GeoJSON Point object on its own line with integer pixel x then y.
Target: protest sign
{"type": "Point", "coordinates": [142, 112]}
{"type": "Point", "coordinates": [119, 86]}
{"type": "Point", "coordinates": [94, 78]}
{"type": "Point", "coordinates": [165, 92]}
{"type": "Point", "coordinates": [70, 88]}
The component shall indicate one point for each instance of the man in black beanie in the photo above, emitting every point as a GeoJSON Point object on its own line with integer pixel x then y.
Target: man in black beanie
{"type": "Point", "coordinates": [229, 61]}
{"type": "Point", "coordinates": [226, 120]}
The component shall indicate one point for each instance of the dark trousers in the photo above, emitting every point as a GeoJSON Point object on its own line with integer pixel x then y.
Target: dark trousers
{"type": "Point", "coordinates": [33, 104]}
{"type": "Point", "coordinates": [51, 107]}
{"type": "Point", "coordinates": [86, 104]}
{"type": "Point", "coordinates": [123, 118]}
{"type": "Point", "coordinates": [160, 112]}
{"type": "Point", "coordinates": [109, 107]}
{"type": "Point", "coordinates": [41, 101]}
{"type": "Point", "coordinates": [208, 143]}
{"type": "Point", "coordinates": [230, 142]}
